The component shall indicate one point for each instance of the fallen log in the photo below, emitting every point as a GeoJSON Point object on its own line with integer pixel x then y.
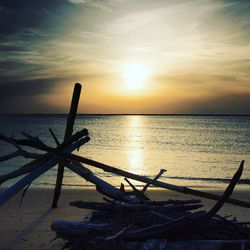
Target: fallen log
{"type": "Point", "coordinates": [173, 202]}
{"type": "Point", "coordinates": [133, 208]}
{"type": "Point", "coordinates": [101, 185]}
{"type": "Point", "coordinates": [26, 180]}
{"type": "Point", "coordinates": [78, 229]}
{"type": "Point", "coordinates": [161, 184]}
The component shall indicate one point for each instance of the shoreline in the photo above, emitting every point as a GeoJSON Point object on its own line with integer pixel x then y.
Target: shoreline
{"type": "Point", "coordinates": [28, 227]}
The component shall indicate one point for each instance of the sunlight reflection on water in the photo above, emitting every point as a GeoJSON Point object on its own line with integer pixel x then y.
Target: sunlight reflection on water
{"type": "Point", "coordinates": [192, 149]}
{"type": "Point", "coordinates": [134, 142]}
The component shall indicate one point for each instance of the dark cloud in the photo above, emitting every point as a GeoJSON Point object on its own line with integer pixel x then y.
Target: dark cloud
{"type": "Point", "coordinates": [8, 65]}
{"type": "Point", "coordinates": [32, 20]}
{"type": "Point", "coordinates": [27, 105]}
{"type": "Point", "coordinates": [27, 87]}
{"type": "Point", "coordinates": [224, 104]}
{"type": "Point", "coordinates": [23, 96]}
{"type": "Point", "coordinates": [25, 26]}
{"type": "Point", "coordinates": [11, 48]}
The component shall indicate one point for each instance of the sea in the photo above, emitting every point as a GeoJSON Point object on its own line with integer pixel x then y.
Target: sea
{"type": "Point", "coordinates": [196, 151]}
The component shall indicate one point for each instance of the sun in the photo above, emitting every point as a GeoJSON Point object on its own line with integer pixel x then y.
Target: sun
{"type": "Point", "coordinates": [135, 75]}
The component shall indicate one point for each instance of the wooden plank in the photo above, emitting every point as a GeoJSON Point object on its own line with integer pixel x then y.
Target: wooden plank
{"type": "Point", "coordinates": [67, 135]}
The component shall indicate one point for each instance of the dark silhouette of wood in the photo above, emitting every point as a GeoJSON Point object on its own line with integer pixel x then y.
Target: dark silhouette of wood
{"type": "Point", "coordinates": [101, 185]}
{"type": "Point", "coordinates": [67, 135]}
{"type": "Point", "coordinates": [137, 193]}
{"type": "Point", "coordinates": [35, 142]}
{"type": "Point", "coordinates": [133, 223]}
{"type": "Point", "coordinates": [162, 171]}
{"type": "Point", "coordinates": [54, 137]}
{"type": "Point", "coordinates": [39, 170]}
{"type": "Point", "coordinates": [145, 179]}
{"type": "Point", "coordinates": [41, 159]}
{"type": "Point", "coordinates": [133, 208]}
{"type": "Point", "coordinates": [188, 223]}
{"type": "Point", "coordinates": [133, 176]}
{"type": "Point", "coordinates": [80, 229]}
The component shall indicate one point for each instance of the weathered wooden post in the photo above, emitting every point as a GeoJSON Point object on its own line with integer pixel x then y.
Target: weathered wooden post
{"type": "Point", "coordinates": [67, 135]}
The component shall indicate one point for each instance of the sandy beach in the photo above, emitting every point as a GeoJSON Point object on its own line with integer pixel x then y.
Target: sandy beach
{"type": "Point", "coordinates": [28, 227]}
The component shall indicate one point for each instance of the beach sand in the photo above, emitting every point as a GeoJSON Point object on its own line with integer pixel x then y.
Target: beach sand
{"type": "Point", "coordinates": [28, 227]}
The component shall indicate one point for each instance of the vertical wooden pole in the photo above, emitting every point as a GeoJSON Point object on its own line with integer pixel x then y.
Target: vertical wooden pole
{"type": "Point", "coordinates": [67, 135]}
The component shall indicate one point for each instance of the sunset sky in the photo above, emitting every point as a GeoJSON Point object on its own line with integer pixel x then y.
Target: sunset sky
{"type": "Point", "coordinates": [132, 56]}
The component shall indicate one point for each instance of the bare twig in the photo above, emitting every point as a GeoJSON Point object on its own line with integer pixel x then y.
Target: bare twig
{"type": "Point", "coordinates": [120, 233]}
{"type": "Point", "coordinates": [54, 137]}
{"type": "Point", "coordinates": [19, 185]}
{"type": "Point", "coordinates": [41, 160]}
{"type": "Point", "coordinates": [20, 152]}
{"type": "Point", "coordinates": [38, 144]}
{"type": "Point", "coordinates": [162, 171]}
{"type": "Point", "coordinates": [23, 194]}
{"type": "Point", "coordinates": [136, 192]}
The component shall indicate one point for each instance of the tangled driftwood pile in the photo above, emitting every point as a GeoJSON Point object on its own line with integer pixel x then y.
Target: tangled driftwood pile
{"type": "Point", "coordinates": [126, 220]}
{"type": "Point", "coordinates": [135, 222]}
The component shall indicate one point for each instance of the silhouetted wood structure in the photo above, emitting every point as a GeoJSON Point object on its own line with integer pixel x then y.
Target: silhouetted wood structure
{"type": "Point", "coordinates": [145, 224]}
{"type": "Point", "coordinates": [67, 135]}
{"type": "Point", "coordinates": [125, 218]}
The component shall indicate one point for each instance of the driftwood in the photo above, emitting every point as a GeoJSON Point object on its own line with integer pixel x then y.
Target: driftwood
{"type": "Point", "coordinates": [36, 143]}
{"type": "Point", "coordinates": [173, 202]}
{"type": "Point", "coordinates": [11, 191]}
{"type": "Point", "coordinates": [67, 135]}
{"type": "Point", "coordinates": [116, 207]}
{"type": "Point", "coordinates": [131, 225]}
{"type": "Point", "coordinates": [43, 162]}
{"type": "Point", "coordinates": [22, 153]}
{"type": "Point", "coordinates": [180, 226]}
{"type": "Point", "coordinates": [162, 171]}
{"type": "Point", "coordinates": [40, 160]}
{"type": "Point", "coordinates": [101, 185]}
{"type": "Point", "coordinates": [138, 194]}
{"type": "Point", "coordinates": [74, 229]}
{"type": "Point", "coordinates": [144, 179]}
{"type": "Point", "coordinates": [54, 137]}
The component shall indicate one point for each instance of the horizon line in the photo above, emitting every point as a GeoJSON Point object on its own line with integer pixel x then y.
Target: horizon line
{"type": "Point", "coordinates": [120, 114]}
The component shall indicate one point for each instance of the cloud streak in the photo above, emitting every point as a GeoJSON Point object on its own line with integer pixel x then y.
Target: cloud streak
{"type": "Point", "coordinates": [194, 48]}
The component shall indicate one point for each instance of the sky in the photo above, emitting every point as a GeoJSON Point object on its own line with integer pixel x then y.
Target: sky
{"type": "Point", "coordinates": [131, 56]}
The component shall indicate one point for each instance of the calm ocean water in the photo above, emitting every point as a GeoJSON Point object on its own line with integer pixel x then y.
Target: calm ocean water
{"type": "Point", "coordinates": [197, 151]}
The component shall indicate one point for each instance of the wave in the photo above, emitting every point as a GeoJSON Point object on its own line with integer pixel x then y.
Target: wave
{"type": "Point", "coordinates": [218, 180]}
